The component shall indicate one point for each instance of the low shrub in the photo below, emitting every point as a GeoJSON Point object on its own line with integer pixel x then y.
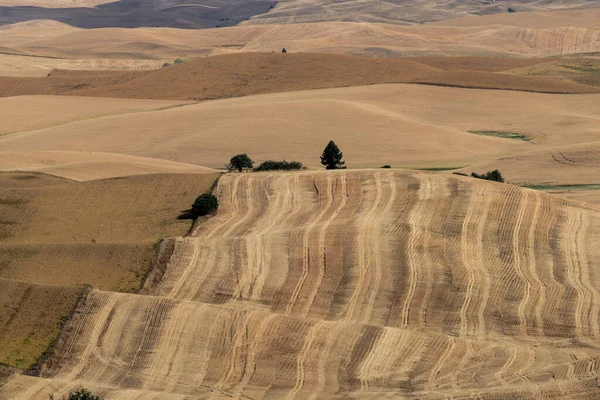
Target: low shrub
{"type": "Point", "coordinates": [80, 394]}
{"type": "Point", "coordinates": [459, 173]}
{"type": "Point", "coordinates": [271, 165]}
{"type": "Point", "coordinates": [386, 166]}
{"type": "Point", "coordinates": [204, 204]}
{"type": "Point", "coordinates": [494, 175]}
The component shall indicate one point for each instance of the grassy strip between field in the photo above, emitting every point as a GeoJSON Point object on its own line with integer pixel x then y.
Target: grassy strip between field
{"type": "Point", "coordinates": [502, 135]}
{"type": "Point", "coordinates": [586, 186]}
{"type": "Point", "coordinates": [436, 169]}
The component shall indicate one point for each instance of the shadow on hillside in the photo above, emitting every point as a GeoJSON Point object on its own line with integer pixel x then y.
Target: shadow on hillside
{"type": "Point", "coordinates": [190, 14]}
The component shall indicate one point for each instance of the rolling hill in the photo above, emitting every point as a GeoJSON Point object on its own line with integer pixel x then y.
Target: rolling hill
{"type": "Point", "coordinates": [361, 284]}
{"type": "Point", "coordinates": [56, 236]}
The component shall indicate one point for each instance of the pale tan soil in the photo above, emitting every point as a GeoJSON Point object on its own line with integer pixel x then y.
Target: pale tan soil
{"type": "Point", "coordinates": [30, 319]}
{"type": "Point", "coordinates": [37, 112]}
{"type": "Point", "coordinates": [86, 166]}
{"type": "Point", "coordinates": [401, 125]}
{"type": "Point", "coordinates": [354, 284]}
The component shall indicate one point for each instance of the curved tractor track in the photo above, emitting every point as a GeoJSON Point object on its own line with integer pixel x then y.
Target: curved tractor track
{"type": "Point", "coordinates": [353, 284]}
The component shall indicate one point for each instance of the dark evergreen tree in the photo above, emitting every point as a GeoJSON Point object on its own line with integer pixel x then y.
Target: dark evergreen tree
{"type": "Point", "coordinates": [240, 162]}
{"type": "Point", "coordinates": [332, 157]}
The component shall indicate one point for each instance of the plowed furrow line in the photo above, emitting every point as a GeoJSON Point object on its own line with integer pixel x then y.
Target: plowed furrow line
{"type": "Point", "coordinates": [303, 357]}
{"type": "Point", "coordinates": [228, 207]}
{"type": "Point", "coordinates": [419, 220]}
{"type": "Point", "coordinates": [570, 234]}
{"type": "Point", "coordinates": [306, 248]}
{"type": "Point", "coordinates": [342, 194]}
{"type": "Point", "coordinates": [365, 252]}
{"type": "Point", "coordinates": [93, 334]}
{"type": "Point", "coordinates": [540, 287]}
{"type": "Point", "coordinates": [468, 248]}
{"type": "Point", "coordinates": [440, 364]}
{"type": "Point", "coordinates": [253, 279]}
{"type": "Point", "coordinates": [379, 237]}
{"type": "Point", "coordinates": [519, 267]}
{"type": "Point", "coordinates": [582, 275]}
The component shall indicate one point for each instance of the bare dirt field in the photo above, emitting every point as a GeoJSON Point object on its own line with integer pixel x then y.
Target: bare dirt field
{"type": "Point", "coordinates": [361, 284]}
{"type": "Point", "coordinates": [246, 74]}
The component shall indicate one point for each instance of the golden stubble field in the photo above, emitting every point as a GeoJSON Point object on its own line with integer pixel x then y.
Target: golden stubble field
{"type": "Point", "coordinates": [362, 284]}
{"type": "Point", "coordinates": [402, 125]}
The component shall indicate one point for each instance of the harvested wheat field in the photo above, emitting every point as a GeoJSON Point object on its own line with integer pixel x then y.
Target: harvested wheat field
{"type": "Point", "coordinates": [354, 284]}
{"type": "Point", "coordinates": [23, 113]}
{"type": "Point", "coordinates": [402, 125]}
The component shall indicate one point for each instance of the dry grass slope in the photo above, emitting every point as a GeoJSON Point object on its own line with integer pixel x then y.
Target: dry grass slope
{"type": "Point", "coordinates": [59, 232]}
{"type": "Point", "coordinates": [361, 284]}
{"type": "Point", "coordinates": [31, 319]}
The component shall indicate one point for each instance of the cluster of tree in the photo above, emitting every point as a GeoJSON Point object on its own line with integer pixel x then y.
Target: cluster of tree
{"type": "Point", "coordinates": [177, 61]}
{"type": "Point", "coordinates": [494, 175]}
{"type": "Point", "coordinates": [79, 394]}
{"type": "Point", "coordinates": [332, 158]}
{"type": "Point", "coordinates": [271, 165]}
{"type": "Point", "coordinates": [204, 204]}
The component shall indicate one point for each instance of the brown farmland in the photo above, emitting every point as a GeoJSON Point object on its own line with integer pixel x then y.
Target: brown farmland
{"type": "Point", "coordinates": [361, 284]}
{"type": "Point", "coordinates": [246, 74]}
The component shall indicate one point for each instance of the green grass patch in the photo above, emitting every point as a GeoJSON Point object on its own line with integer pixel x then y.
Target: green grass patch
{"type": "Point", "coordinates": [586, 186]}
{"type": "Point", "coordinates": [12, 202]}
{"type": "Point", "coordinates": [585, 68]}
{"type": "Point", "coordinates": [25, 177]}
{"type": "Point", "coordinates": [502, 135]}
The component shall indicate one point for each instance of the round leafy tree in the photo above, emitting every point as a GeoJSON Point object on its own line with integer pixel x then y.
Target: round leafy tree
{"type": "Point", "coordinates": [204, 204]}
{"type": "Point", "coordinates": [332, 157]}
{"type": "Point", "coordinates": [240, 162]}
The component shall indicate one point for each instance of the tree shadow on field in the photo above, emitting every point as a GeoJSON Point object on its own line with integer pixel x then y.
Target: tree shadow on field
{"type": "Point", "coordinates": [186, 215]}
